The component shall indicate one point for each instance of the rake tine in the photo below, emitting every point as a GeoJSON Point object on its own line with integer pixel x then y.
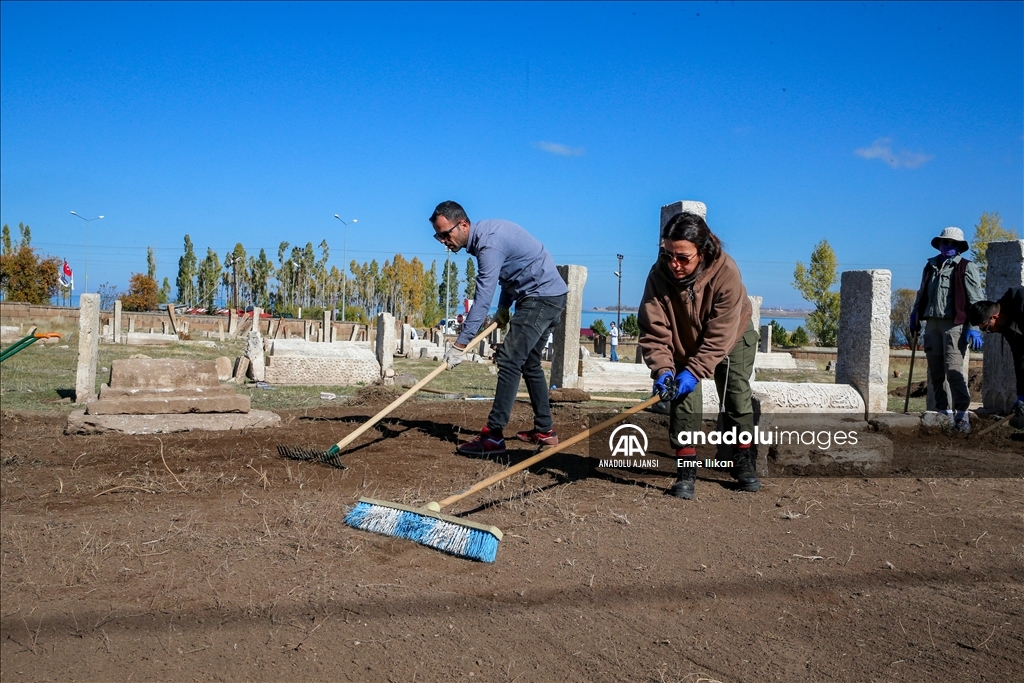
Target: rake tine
{"type": "Point", "coordinates": [310, 455]}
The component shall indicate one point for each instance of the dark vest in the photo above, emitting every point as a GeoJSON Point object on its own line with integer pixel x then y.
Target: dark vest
{"type": "Point", "coordinates": [959, 291]}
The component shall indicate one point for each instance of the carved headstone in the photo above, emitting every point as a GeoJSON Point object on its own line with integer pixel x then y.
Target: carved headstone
{"type": "Point", "coordinates": [565, 363]}
{"type": "Point", "coordinates": [1005, 269]}
{"type": "Point", "coordinates": [863, 353]}
{"type": "Point", "coordinates": [88, 347]}
{"type": "Point", "coordinates": [254, 352]}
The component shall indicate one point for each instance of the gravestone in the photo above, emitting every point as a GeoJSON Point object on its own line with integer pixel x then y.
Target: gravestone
{"type": "Point", "coordinates": [220, 329]}
{"type": "Point", "coordinates": [755, 311]}
{"type": "Point", "coordinates": [385, 346]}
{"type": "Point", "coordinates": [765, 345]}
{"type": "Point", "coordinates": [254, 352]}
{"type": "Point", "coordinates": [131, 323]}
{"type": "Point", "coordinates": [669, 211]}
{"type": "Point", "coordinates": [862, 356]}
{"type": "Point", "coordinates": [88, 347]}
{"type": "Point", "coordinates": [325, 327]}
{"type": "Point", "coordinates": [117, 321]}
{"type": "Point", "coordinates": [1005, 269]}
{"type": "Point", "coordinates": [232, 322]}
{"type": "Point", "coordinates": [153, 386]}
{"type": "Point", "coordinates": [565, 363]}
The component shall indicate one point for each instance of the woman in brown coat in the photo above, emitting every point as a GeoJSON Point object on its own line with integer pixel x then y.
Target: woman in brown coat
{"type": "Point", "coordinates": [695, 324]}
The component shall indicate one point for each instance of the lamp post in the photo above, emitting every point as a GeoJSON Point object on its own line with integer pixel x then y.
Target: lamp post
{"type": "Point", "coordinates": [344, 269]}
{"type": "Point", "coordinates": [87, 221]}
{"type": "Point", "coordinates": [233, 262]}
{"type": "Point", "coordinates": [618, 306]}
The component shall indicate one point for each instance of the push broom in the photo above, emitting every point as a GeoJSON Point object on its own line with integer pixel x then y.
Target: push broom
{"type": "Point", "coordinates": [332, 456]}
{"type": "Point", "coordinates": [459, 537]}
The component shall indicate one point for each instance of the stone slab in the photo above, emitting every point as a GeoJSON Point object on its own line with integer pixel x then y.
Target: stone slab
{"type": "Point", "coordinates": [224, 368]}
{"type": "Point", "coordinates": [88, 347]}
{"type": "Point", "coordinates": [871, 454]}
{"type": "Point", "coordinates": [352, 350]}
{"type": "Point", "coordinates": [80, 423]}
{"type": "Point", "coordinates": [306, 371]}
{"type": "Point", "coordinates": [150, 339]}
{"type": "Point", "coordinates": [241, 370]}
{"type": "Point", "coordinates": [254, 352]}
{"type": "Point", "coordinates": [162, 373]}
{"type": "Point", "coordinates": [897, 423]}
{"type": "Point", "coordinates": [107, 392]}
{"type": "Point", "coordinates": [152, 405]}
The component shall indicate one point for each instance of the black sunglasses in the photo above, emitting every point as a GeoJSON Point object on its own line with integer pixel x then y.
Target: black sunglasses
{"type": "Point", "coordinates": [442, 236]}
{"type": "Point", "coordinates": [682, 259]}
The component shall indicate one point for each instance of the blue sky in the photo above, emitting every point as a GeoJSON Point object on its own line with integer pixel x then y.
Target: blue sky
{"type": "Point", "coordinates": [873, 125]}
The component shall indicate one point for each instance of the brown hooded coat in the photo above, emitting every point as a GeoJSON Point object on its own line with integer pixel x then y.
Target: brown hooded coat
{"type": "Point", "coordinates": [693, 329]}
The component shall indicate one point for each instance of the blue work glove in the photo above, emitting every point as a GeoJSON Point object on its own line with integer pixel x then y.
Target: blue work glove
{"type": "Point", "coordinates": [914, 326]}
{"type": "Point", "coordinates": [686, 382]}
{"type": "Point", "coordinates": [665, 386]}
{"type": "Point", "coordinates": [1018, 407]}
{"type": "Point", "coordinates": [974, 340]}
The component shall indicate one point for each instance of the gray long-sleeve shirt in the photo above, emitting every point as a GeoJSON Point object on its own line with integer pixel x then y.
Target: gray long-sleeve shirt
{"type": "Point", "coordinates": [939, 299]}
{"type": "Point", "coordinates": [509, 256]}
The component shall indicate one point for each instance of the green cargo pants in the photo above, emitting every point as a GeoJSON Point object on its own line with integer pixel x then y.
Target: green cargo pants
{"type": "Point", "coordinates": [687, 412]}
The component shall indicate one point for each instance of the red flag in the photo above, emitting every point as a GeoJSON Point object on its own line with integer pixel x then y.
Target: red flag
{"type": "Point", "coordinates": [67, 280]}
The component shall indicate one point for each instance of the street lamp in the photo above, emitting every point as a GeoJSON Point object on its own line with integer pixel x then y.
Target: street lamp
{"type": "Point", "coordinates": [618, 306]}
{"type": "Point", "coordinates": [87, 221]}
{"type": "Point", "coordinates": [344, 269]}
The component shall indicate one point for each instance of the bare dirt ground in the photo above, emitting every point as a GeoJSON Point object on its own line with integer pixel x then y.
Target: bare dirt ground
{"type": "Point", "coordinates": [204, 556]}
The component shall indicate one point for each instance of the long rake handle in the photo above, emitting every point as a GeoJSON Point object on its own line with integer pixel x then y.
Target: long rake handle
{"type": "Point", "coordinates": [505, 474]}
{"type": "Point", "coordinates": [910, 379]}
{"type": "Point", "coordinates": [409, 393]}
{"type": "Point", "coordinates": [1003, 421]}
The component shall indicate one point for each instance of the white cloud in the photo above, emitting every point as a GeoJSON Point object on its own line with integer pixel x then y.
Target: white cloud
{"type": "Point", "coordinates": [882, 149]}
{"type": "Point", "coordinates": [559, 149]}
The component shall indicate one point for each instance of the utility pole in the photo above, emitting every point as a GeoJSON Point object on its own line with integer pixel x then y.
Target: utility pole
{"type": "Point", "coordinates": [618, 306]}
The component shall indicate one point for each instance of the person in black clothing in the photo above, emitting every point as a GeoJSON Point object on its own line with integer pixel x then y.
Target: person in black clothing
{"type": "Point", "coordinates": [1006, 317]}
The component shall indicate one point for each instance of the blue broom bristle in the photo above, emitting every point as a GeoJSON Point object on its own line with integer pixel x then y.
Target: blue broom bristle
{"type": "Point", "coordinates": [449, 537]}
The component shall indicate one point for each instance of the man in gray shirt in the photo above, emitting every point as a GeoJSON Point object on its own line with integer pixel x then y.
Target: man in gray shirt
{"type": "Point", "coordinates": [950, 284]}
{"type": "Point", "coordinates": [513, 260]}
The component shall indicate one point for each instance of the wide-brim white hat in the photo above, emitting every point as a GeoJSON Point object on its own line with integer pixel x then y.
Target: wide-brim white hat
{"type": "Point", "coordinates": [953, 235]}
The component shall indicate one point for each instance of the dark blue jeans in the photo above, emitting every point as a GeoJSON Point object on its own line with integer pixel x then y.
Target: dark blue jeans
{"type": "Point", "coordinates": [519, 357]}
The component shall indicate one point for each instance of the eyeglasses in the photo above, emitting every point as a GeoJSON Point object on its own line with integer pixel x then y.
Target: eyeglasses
{"type": "Point", "coordinates": [442, 236]}
{"type": "Point", "coordinates": [682, 259]}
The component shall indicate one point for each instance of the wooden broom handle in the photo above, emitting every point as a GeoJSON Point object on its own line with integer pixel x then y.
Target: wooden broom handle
{"type": "Point", "coordinates": [505, 474]}
{"type": "Point", "coordinates": [409, 393]}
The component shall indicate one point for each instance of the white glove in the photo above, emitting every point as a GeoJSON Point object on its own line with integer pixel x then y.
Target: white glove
{"type": "Point", "coordinates": [453, 356]}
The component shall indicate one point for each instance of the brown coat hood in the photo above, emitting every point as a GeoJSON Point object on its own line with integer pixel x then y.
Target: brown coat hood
{"type": "Point", "coordinates": [693, 328]}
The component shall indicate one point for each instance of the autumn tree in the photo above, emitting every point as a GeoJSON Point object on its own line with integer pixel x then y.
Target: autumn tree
{"type": "Point", "coordinates": [989, 229]}
{"type": "Point", "coordinates": [899, 316]}
{"type": "Point", "coordinates": [815, 285]}
{"type": "Point", "coordinates": [25, 275]}
{"type": "Point", "coordinates": [142, 294]}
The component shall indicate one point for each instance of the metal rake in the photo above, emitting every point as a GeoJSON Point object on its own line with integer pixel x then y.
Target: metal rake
{"type": "Point", "coordinates": [310, 455]}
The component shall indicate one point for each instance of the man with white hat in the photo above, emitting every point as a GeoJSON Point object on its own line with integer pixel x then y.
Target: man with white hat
{"type": "Point", "coordinates": [950, 285]}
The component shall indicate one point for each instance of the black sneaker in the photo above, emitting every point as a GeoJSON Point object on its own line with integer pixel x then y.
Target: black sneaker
{"type": "Point", "coordinates": [744, 469]}
{"type": "Point", "coordinates": [683, 486]}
